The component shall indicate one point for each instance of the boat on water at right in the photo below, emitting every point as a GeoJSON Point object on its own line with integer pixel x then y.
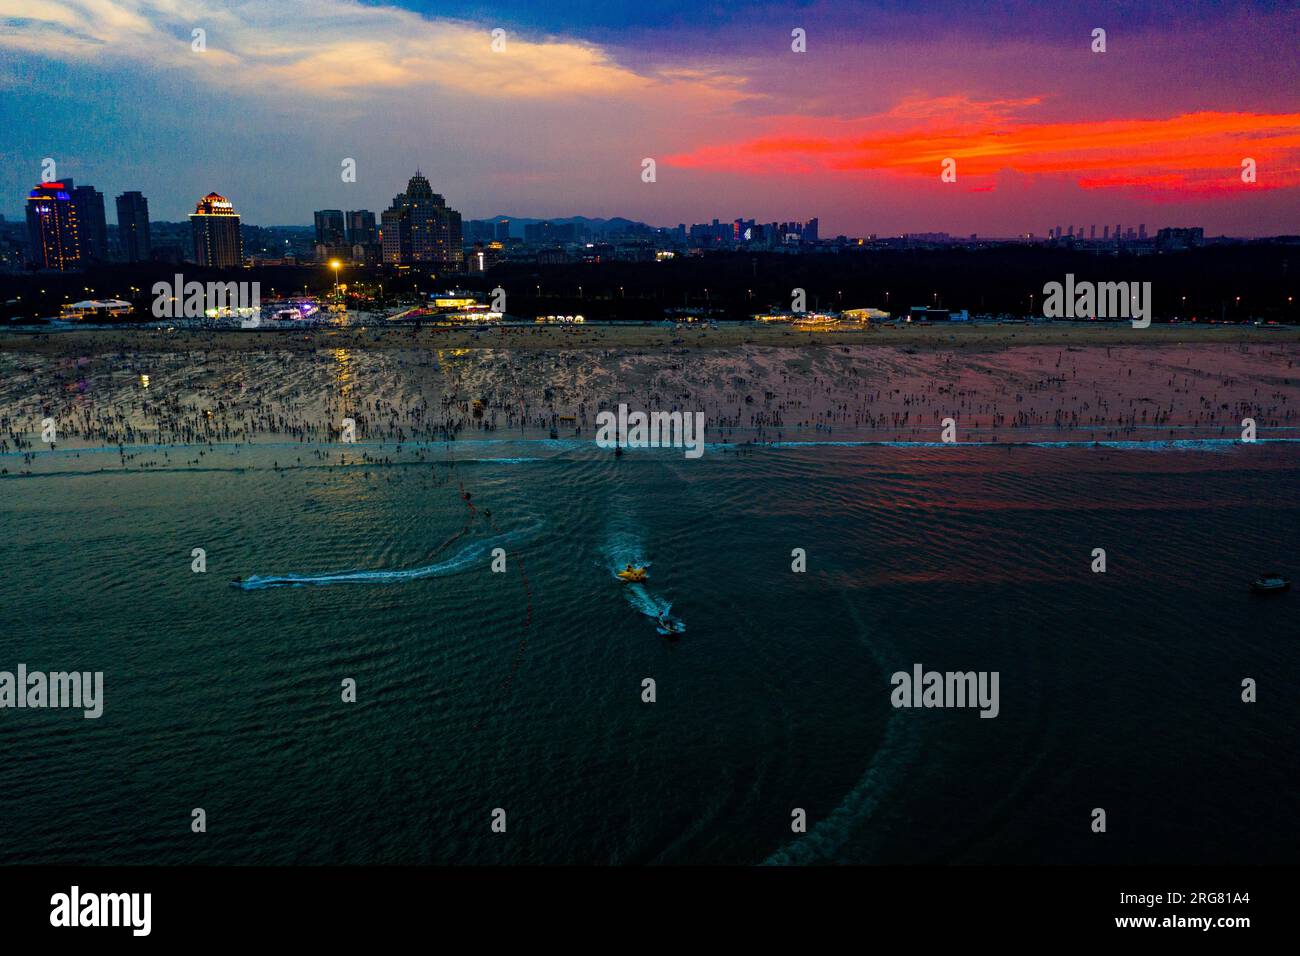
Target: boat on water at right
{"type": "Point", "coordinates": [1271, 583]}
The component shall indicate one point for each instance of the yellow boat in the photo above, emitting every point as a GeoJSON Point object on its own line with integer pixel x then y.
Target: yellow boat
{"type": "Point", "coordinates": [632, 575]}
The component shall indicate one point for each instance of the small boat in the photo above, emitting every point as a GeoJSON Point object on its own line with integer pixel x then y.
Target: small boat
{"type": "Point", "coordinates": [669, 627]}
{"type": "Point", "coordinates": [1272, 583]}
{"type": "Point", "coordinates": [631, 575]}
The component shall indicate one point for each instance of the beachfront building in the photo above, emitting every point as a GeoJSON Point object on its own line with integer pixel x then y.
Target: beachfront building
{"type": "Point", "coordinates": [214, 225]}
{"type": "Point", "coordinates": [864, 316]}
{"type": "Point", "coordinates": [95, 309]}
{"type": "Point", "coordinates": [133, 227]}
{"type": "Point", "coordinates": [53, 228]}
{"type": "Point", "coordinates": [420, 228]}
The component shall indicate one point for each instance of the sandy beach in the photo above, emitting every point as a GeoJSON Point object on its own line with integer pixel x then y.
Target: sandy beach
{"type": "Point", "coordinates": [972, 337]}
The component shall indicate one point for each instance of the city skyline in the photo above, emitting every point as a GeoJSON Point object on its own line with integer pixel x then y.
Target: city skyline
{"type": "Point", "coordinates": [558, 123]}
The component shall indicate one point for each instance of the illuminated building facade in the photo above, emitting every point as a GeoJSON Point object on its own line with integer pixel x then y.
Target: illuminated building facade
{"type": "Point", "coordinates": [420, 228]}
{"type": "Point", "coordinates": [53, 228]}
{"type": "Point", "coordinates": [484, 256]}
{"type": "Point", "coordinates": [215, 228]}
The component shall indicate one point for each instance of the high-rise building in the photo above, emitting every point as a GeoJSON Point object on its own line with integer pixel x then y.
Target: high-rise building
{"type": "Point", "coordinates": [94, 226]}
{"type": "Point", "coordinates": [53, 228]}
{"type": "Point", "coordinates": [133, 227]}
{"type": "Point", "coordinates": [503, 230]}
{"type": "Point", "coordinates": [360, 227]}
{"type": "Point", "coordinates": [214, 225]}
{"type": "Point", "coordinates": [419, 227]}
{"type": "Point", "coordinates": [329, 227]}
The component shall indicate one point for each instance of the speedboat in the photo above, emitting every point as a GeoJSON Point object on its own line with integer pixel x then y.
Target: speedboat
{"type": "Point", "coordinates": [669, 626]}
{"type": "Point", "coordinates": [1272, 583]}
{"type": "Point", "coordinates": [631, 575]}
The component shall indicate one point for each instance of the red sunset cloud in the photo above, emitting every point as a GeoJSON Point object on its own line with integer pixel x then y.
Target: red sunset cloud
{"type": "Point", "coordinates": [1188, 156]}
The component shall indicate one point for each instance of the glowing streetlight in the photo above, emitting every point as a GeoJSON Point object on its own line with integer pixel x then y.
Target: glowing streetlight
{"type": "Point", "coordinates": [335, 264]}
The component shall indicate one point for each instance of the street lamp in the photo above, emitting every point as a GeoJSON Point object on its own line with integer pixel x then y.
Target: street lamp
{"type": "Point", "coordinates": [334, 264]}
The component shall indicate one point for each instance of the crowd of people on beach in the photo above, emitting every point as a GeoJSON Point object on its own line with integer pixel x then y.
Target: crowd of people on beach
{"type": "Point", "coordinates": [126, 396]}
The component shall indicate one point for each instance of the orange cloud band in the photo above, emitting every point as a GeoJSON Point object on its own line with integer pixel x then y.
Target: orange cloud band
{"type": "Point", "coordinates": [1190, 155]}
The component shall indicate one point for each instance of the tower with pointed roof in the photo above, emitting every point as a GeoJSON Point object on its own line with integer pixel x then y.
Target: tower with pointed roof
{"type": "Point", "coordinates": [214, 225]}
{"type": "Point", "coordinates": [419, 228]}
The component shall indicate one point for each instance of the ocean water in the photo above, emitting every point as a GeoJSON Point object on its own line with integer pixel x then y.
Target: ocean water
{"type": "Point", "coordinates": [522, 690]}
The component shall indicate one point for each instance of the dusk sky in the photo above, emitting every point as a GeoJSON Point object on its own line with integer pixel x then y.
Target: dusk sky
{"type": "Point", "coordinates": [1044, 131]}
